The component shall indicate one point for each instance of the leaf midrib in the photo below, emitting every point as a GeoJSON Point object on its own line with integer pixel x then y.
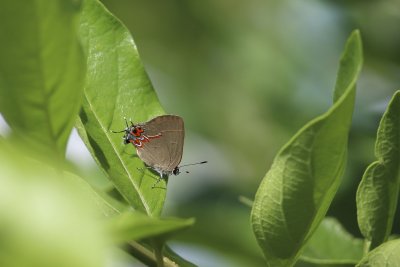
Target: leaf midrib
{"type": "Point", "coordinates": [45, 106]}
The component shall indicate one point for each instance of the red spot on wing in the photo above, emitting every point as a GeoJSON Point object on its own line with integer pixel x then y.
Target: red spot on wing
{"type": "Point", "coordinates": [140, 140]}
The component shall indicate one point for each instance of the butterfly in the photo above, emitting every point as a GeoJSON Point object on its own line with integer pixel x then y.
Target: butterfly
{"type": "Point", "coordinates": [158, 143]}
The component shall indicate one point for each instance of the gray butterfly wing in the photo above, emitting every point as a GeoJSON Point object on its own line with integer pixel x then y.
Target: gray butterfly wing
{"type": "Point", "coordinates": [165, 152]}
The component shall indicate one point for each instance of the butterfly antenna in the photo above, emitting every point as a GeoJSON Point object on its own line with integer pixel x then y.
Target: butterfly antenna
{"type": "Point", "coordinates": [197, 163]}
{"type": "Point", "coordinates": [118, 131]}
{"type": "Point", "coordinates": [122, 131]}
{"type": "Point", "coordinates": [126, 122]}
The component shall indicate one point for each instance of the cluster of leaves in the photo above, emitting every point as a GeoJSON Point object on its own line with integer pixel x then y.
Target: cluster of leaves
{"type": "Point", "coordinates": [297, 191]}
{"type": "Point", "coordinates": [75, 64]}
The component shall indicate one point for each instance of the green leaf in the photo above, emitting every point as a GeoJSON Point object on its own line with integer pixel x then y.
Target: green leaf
{"type": "Point", "coordinates": [41, 71]}
{"type": "Point", "coordinates": [132, 225]}
{"type": "Point", "coordinates": [387, 254]}
{"type": "Point", "coordinates": [377, 194]}
{"type": "Point", "coordinates": [305, 175]}
{"type": "Point", "coordinates": [117, 86]}
{"type": "Point", "coordinates": [331, 244]}
{"type": "Point", "coordinates": [46, 220]}
{"type": "Point", "coordinates": [32, 164]}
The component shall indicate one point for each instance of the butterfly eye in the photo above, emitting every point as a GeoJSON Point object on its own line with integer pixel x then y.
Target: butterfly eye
{"type": "Point", "coordinates": [134, 131]}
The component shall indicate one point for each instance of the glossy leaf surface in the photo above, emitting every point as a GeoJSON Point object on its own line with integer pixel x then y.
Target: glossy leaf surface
{"type": "Point", "coordinates": [117, 86]}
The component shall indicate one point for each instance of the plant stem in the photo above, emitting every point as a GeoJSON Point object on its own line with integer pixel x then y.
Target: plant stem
{"type": "Point", "coordinates": [246, 201]}
{"type": "Point", "coordinates": [147, 256]}
{"type": "Point", "coordinates": [158, 250]}
{"type": "Point", "coordinates": [367, 245]}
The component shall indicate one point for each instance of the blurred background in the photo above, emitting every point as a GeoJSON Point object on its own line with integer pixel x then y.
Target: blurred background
{"type": "Point", "coordinates": [245, 76]}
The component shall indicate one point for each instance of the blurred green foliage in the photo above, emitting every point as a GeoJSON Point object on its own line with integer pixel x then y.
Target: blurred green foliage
{"type": "Point", "coordinates": [47, 217]}
{"type": "Point", "coordinates": [41, 69]}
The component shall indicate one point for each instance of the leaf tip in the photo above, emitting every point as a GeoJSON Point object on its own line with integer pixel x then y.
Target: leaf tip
{"type": "Point", "coordinates": [355, 39]}
{"type": "Point", "coordinates": [394, 103]}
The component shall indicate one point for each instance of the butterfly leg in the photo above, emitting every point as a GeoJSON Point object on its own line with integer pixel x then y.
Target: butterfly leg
{"type": "Point", "coordinates": [158, 180]}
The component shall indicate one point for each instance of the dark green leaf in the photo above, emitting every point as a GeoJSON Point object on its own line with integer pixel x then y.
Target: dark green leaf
{"type": "Point", "coordinates": [136, 225]}
{"type": "Point", "coordinates": [377, 194]}
{"type": "Point", "coordinates": [41, 71]}
{"type": "Point", "coordinates": [305, 175]}
{"type": "Point", "coordinates": [331, 244]}
{"type": "Point", "coordinates": [387, 254]}
{"type": "Point", "coordinates": [117, 86]}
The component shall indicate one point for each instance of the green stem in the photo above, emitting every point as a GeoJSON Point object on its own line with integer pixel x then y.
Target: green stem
{"type": "Point", "coordinates": [147, 256]}
{"type": "Point", "coordinates": [246, 201]}
{"type": "Point", "coordinates": [158, 251]}
{"type": "Point", "coordinates": [367, 245]}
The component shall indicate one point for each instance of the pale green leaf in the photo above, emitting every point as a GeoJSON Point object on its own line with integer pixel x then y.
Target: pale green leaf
{"type": "Point", "coordinates": [117, 86]}
{"type": "Point", "coordinates": [296, 192]}
{"type": "Point", "coordinates": [41, 71]}
{"type": "Point", "coordinates": [377, 194]}
{"type": "Point", "coordinates": [386, 255]}
{"type": "Point", "coordinates": [46, 220]}
{"type": "Point", "coordinates": [105, 204]}
{"type": "Point", "coordinates": [331, 244]}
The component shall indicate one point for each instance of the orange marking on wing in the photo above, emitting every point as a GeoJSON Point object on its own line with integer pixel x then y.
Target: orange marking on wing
{"type": "Point", "coordinates": [137, 131]}
{"type": "Point", "coordinates": [137, 143]}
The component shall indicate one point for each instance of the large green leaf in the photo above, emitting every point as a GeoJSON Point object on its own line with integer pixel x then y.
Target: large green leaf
{"type": "Point", "coordinates": [304, 177]}
{"type": "Point", "coordinates": [46, 219]}
{"type": "Point", "coordinates": [117, 86]}
{"type": "Point", "coordinates": [130, 226]}
{"type": "Point", "coordinates": [377, 194]}
{"type": "Point", "coordinates": [387, 254]}
{"type": "Point", "coordinates": [41, 71]}
{"type": "Point", "coordinates": [331, 244]}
